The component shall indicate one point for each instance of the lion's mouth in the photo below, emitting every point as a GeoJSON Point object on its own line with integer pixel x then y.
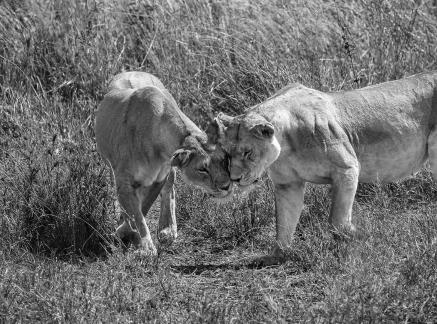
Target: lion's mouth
{"type": "Point", "coordinates": [222, 194]}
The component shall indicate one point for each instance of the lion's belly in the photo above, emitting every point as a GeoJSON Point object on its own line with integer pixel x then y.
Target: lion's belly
{"type": "Point", "coordinates": [388, 161]}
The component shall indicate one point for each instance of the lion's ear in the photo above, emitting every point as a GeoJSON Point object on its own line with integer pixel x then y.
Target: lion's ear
{"type": "Point", "coordinates": [216, 129]}
{"type": "Point", "coordinates": [180, 158]}
{"type": "Point", "coordinates": [224, 119]}
{"type": "Point", "coordinates": [263, 131]}
{"type": "Point", "coordinates": [213, 131]}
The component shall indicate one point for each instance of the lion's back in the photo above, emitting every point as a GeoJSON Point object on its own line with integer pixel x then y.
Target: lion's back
{"type": "Point", "coordinates": [134, 80]}
{"type": "Point", "coordinates": [387, 125]}
{"type": "Point", "coordinates": [129, 120]}
{"type": "Point", "coordinates": [109, 124]}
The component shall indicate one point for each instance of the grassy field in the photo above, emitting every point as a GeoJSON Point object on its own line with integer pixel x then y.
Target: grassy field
{"type": "Point", "coordinates": [58, 259]}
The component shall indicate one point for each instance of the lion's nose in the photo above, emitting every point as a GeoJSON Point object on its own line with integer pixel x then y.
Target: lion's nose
{"type": "Point", "coordinates": [236, 179]}
{"type": "Point", "coordinates": [225, 187]}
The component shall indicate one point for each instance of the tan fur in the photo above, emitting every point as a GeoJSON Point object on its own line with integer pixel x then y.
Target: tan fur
{"type": "Point", "coordinates": [141, 133]}
{"type": "Point", "coordinates": [379, 133]}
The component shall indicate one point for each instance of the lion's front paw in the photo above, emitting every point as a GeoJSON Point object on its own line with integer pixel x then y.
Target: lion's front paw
{"type": "Point", "coordinates": [146, 247]}
{"type": "Point", "coordinates": [345, 232]}
{"type": "Point", "coordinates": [351, 229]}
{"type": "Point", "coordinates": [167, 236]}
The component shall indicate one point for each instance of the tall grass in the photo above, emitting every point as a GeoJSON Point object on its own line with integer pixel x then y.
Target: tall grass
{"type": "Point", "coordinates": [57, 56]}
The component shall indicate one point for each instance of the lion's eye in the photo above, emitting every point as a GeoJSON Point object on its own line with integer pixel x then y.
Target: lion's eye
{"type": "Point", "coordinates": [247, 154]}
{"type": "Point", "coordinates": [202, 170]}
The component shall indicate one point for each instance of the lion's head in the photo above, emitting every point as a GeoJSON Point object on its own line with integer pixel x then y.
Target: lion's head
{"type": "Point", "coordinates": [250, 141]}
{"type": "Point", "coordinates": [204, 165]}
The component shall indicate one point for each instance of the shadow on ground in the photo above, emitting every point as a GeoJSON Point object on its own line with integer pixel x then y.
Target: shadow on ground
{"type": "Point", "coordinates": [256, 263]}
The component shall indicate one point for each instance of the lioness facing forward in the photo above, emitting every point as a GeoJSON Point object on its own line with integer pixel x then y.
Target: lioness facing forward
{"type": "Point", "coordinates": [378, 133]}
{"type": "Point", "coordinates": [142, 133]}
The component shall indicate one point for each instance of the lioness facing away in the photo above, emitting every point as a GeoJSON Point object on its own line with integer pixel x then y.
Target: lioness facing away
{"type": "Point", "coordinates": [378, 133]}
{"type": "Point", "coordinates": [142, 133]}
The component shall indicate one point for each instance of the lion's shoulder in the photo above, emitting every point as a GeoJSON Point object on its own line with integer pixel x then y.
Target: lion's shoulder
{"type": "Point", "coordinates": [287, 89]}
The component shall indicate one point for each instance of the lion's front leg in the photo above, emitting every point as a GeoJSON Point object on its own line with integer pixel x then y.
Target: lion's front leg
{"type": "Point", "coordinates": [167, 227]}
{"type": "Point", "coordinates": [130, 198]}
{"type": "Point", "coordinates": [344, 186]}
{"type": "Point", "coordinates": [289, 205]}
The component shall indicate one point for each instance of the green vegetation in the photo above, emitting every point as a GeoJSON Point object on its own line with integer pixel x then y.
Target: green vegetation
{"type": "Point", "coordinates": [58, 259]}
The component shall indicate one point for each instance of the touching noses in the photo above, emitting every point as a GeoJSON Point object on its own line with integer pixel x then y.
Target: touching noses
{"type": "Point", "coordinates": [226, 186]}
{"type": "Point", "coordinates": [235, 173]}
{"type": "Point", "coordinates": [235, 170]}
